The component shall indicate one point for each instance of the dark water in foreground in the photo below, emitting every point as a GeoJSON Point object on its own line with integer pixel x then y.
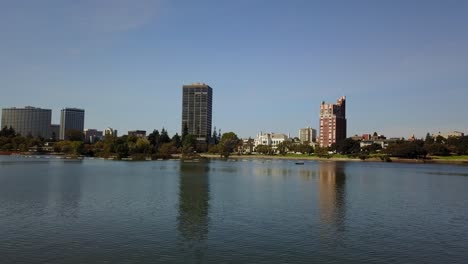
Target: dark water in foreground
{"type": "Point", "coordinates": [94, 211]}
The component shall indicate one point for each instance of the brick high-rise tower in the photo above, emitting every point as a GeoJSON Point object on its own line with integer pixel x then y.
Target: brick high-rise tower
{"type": "Point", "coordinates": [332, 122]}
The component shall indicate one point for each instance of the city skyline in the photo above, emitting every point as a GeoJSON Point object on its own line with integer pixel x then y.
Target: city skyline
{"type": "Point", "coordinates": [402, 65]}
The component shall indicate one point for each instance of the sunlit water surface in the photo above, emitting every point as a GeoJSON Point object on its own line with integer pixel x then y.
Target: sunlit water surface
{"type": "Point", "coordinates": [251, 211]}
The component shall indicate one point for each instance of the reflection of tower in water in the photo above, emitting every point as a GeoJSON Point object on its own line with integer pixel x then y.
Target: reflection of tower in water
{"type": "Point", "coordinates": [332, 180]}
{"type": "Point", "coordinates": [70, 191]}
{"type": "Point", "coordinates": [194, 205]}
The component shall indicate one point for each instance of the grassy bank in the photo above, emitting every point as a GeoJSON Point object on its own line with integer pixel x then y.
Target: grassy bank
{"type": "Point", "coordinates": [456, 158]}
{"type": "Point", "coordinates": [336, 157]}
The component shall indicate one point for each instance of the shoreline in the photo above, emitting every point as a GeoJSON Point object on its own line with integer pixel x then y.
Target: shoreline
{"type": "Point", "coordinates": [463, 162]}
{"type": "Point", "coordinates": [299, 158]}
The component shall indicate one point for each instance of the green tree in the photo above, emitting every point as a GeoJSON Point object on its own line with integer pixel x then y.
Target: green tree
{"type": "Point", "coordinates": [77, 147]}
{"type": "Point", "coordinates": [264, 149]}
{"type": "Point", "coordinates": [185, 132]}
{"type": "Point", "coordinates": [188, 145]}
{"type": "Point", "coordinates": [437, 149]}
{"type": "Point", "coordinates": [167, 149]}
{"type": "Point", "coordinates": [407, 149]}
{"type": "Point", "coordinates": [304, 149]}
{"type": "Point", "coordinates": [176, 140]}
{"type": "Point", "coordinates": [374, 148]}
{"type": "Point", "coordinates": [155, 142]}
{"type": "Point", "coordinates": [322, 152]}
{"type": "Point", "coordinates": [348, 146]}
{"type": "Point", "coordinates": [121, 149]}
{"type": "Point", "coordinates": [131, 144]}
{"type": "Point", "coordinates": [164, 138]}
{"type": "Point", "coordinates": [429, 139]}
{"type": "Point", "coordinates": [74, 135]}
{"type": "Point", "coordinates": [440, 139]}
{"type": "Point", "coordinates": [214, 137]}
{"type": "Point", "coordinates": [7, 132]}
{"type": "Point", "coordinates": [229, 141]}
{"type": "Point", "coordinates": [214, 149]}
{"type": "Point", "coordinates": [283, 147]}
{"type": "Point", "coordinates": [458, 145]}
{"type": "Point", "coordinates": [142, 145]}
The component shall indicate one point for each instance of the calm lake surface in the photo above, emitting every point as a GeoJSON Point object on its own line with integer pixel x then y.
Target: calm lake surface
{"type": "Point", "coordinates": [252, 211]}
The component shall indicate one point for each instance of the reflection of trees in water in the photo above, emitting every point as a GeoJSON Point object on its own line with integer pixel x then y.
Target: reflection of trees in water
{"type": "Point", "coordinates": [194, 196]}
{"type": "Point", "coordinates": [332, 194]}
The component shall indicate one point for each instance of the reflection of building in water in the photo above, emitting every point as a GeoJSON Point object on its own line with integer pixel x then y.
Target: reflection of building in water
{"type": "Point", "coordinates": [305, 172]}
{"type": "Point", "coordinates": [269, 170]}
{"type": "Point", "coordinates": [194, 196]}
{"type": "Point", "coordinates": [332, 193]}
{"type": "Point", "coordinates": [66, 180]}
{"type": "Point", "coordinates": [70, 190]}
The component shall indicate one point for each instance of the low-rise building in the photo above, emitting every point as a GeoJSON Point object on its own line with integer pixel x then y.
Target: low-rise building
{"type": "Point", "coordinates": [137, 133]}
{"type": "Point", "coordinates": [110, 132]}
{"type": "Point", "coordinates": [368, 137]}
{"type": "Point", "coordinates": [92, 135]}
{"type": "Point", "coordinates": [449, 134]}
{"type": "Point", "coordinates": [270, 139]}
{"type": "Point", "coordinates": [382, 142]}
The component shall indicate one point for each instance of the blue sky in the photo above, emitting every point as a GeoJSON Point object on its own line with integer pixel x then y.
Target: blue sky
{"type": "Point", "coordinates": [403, 65]}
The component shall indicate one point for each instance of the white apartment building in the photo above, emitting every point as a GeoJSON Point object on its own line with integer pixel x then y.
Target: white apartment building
{"type": "Point", "coordinates": [270, 139]}
{"type": "Point", "coordinates": [449, 134]}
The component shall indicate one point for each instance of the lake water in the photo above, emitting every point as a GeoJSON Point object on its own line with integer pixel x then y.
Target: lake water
{"type": "Point", "coordinates": [251, 211]}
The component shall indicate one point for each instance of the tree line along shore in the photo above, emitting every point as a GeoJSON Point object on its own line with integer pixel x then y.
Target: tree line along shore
{"type": "Point", "coordinates": [159, 145]}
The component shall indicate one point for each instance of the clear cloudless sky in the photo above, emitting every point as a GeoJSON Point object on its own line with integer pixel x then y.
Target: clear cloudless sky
{"type": "Point", "coordinates": [403, 65]}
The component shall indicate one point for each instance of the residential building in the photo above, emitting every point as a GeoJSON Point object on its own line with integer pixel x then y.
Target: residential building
{"type": "Point", "coordinates": [262, 139]}
{"type": "Point", "coordinates": [247, 146]}
{"type": "Point", "coordinates": [28, 121]}
{"type": "Point", "coordinates": [92, 135]}
{"type": "Point", "coordinates": [137, 133]}
{"type": "Point", "coordinates": [270, 139]}
{"type": "Point", "coordinates": [71, 119]}
{"type": "Point", "coordinates": [332, 122]}
{"type": "Point", "coordinates": [383, 142]}
{"type": "Point", "coordinates": [449, 134]}
{"type": "Point", "coordinates": [368, 137]}
{"type": "Point", "coordinates": [110, 132]}
{"type": "Point", "coordinates": [197, 102]}
{"type": "Point", "coordinates": [307, 135]}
